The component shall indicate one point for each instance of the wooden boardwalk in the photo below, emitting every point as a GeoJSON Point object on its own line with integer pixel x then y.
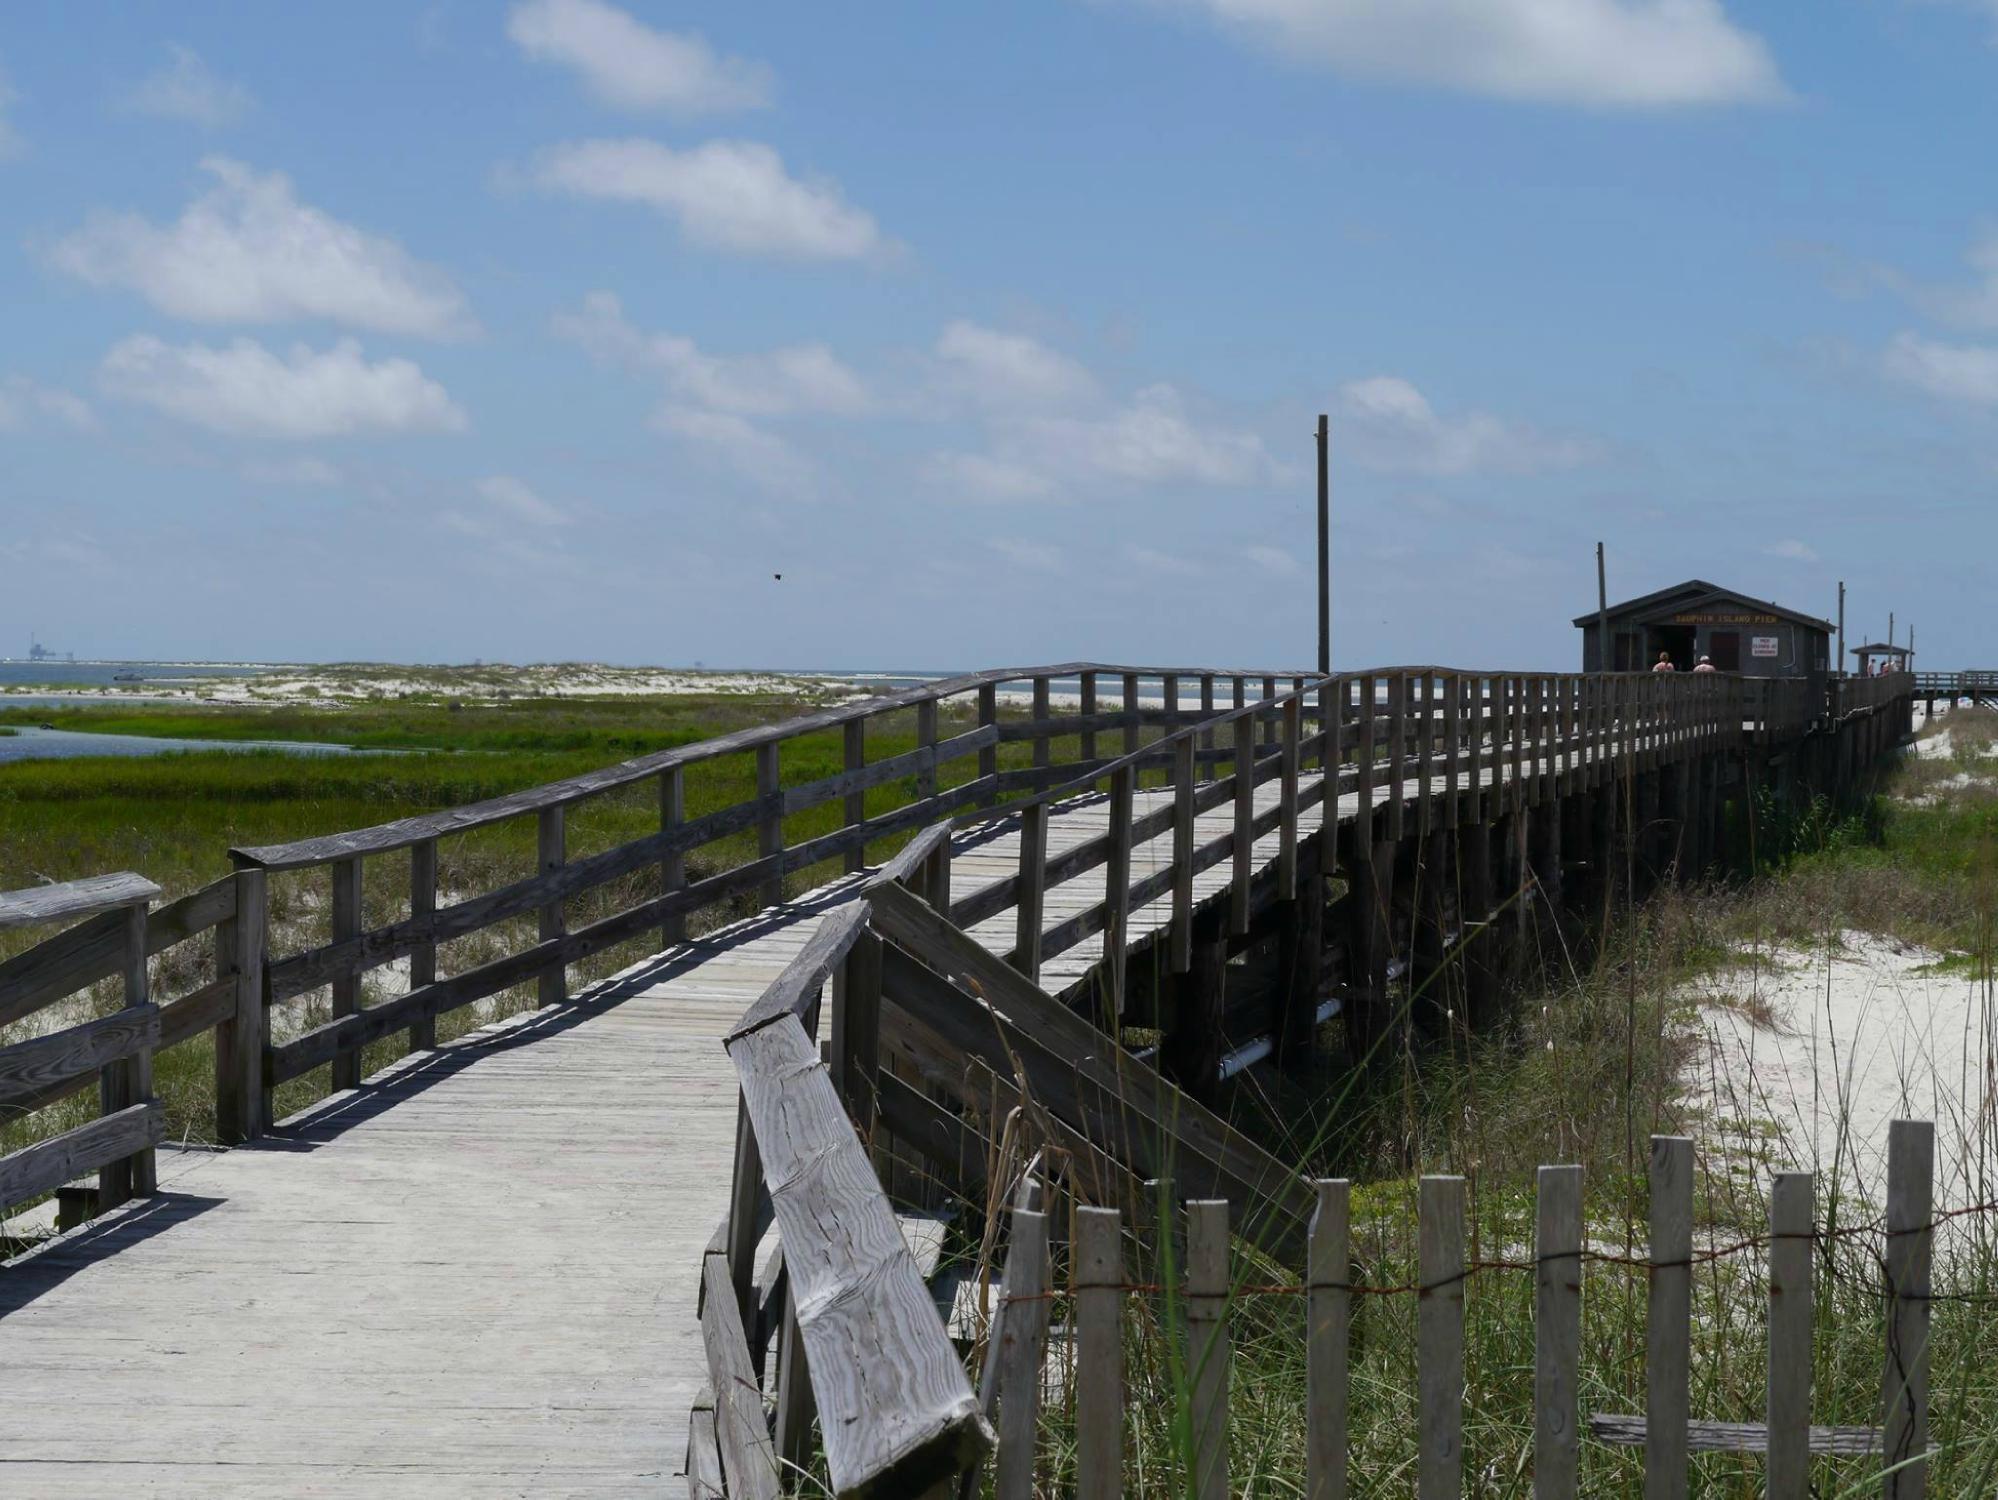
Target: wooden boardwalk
{"type": "Point", "coordinates": [476, 1275]}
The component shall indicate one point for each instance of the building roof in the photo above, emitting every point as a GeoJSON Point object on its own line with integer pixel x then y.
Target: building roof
{"type": "Point", "coordinates": [1696, 591]}
{"type": "Point", "coordinates": [1879, 650]}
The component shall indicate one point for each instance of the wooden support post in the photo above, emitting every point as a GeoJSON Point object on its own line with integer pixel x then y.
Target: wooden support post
{"type": "Point", "coordinates": [673, 867]}
{"type": "Point", "coordinates": [1194, 1041]}
{"type": "Point", "coordinates": [1131, 711]}
{"type": "Point", "coordinates": [129, 1080]}
{"type": "Point", "coordinates": [746, 1206]}
{"type": "Point", "coordinates": [1397, 752]}
{"type": "Point", "coordinates": [1099, 1355]}
{"type": "Point", "coordinates": [346, 913]}
{"type": "Point", "coordinates": [1428, 987]}
{"type": "Point", "coordinates": [1208, 770]}
{"type": "Point", "coordinates": [1369, 948]}
{"type": "Point", "coordinates": [1479, 934]}
{"type": "Point", "coordinates": [423, 955]}
{"type": "Point", "coordinates": [1669, 1324]}
{"type": "Point", "coordinates": [241, 1102]}
{"type": "Point", "coordinates": [1453, 741]}
{"type": "Point", "coordinates": [1293, 730]}
{"type": "Point", "coordinates": [1480, 689]}
{"type": "Point", "coordinates": [1792, 1214]}
{"type": "Point", "coordinates": [856, 1030]}
{"type": "Point", "coordinates": [1328, 1321]}
{"type": "Point", "coordinates": [1208, 1350]}
{"type": "Point", "coordinates": [1033, 870]}
{"type": "Point", "coordinates": [1425, 749]}
{"type": "Point", "coordinates": [1241, 887]}
{"type": "Point", "coordinates": [1182, 855]}
{"type": "Point", "coordinates": [1557, 1334]}
{"type": "Point", "coordinates": [794, 1390]}
{"type": "Point", "coordinates": [1117, 896]}
{"type": "Point", "coordinates": [853, 735]}
{"type": "Point", "coordinates": [770, 823]}
{"type": "Point", "coordinates": [1911, 1147]}
{"type": "Point", "coordinates": [553, 843]}
{"type": "Point", "coordinates": [1300, 962]}
{"type": "Point", "coordinates": [1439, 1338]}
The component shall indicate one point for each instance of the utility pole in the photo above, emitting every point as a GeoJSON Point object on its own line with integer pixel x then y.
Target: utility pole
{"type": "Point", "coordinates": [1602, 613]}
{"type": "Point", "coordinates": [1324, 544]}
{"type": "Point", "coordinates": [1890, 627]}
{"type": "Point", "coordinates": [1839, 665]}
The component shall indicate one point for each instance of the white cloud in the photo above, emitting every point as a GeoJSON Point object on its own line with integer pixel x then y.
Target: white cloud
{"type": "Point", "coordinates": [1010, 369]}
{"type": "Point", "coordinates": [1955, 372]}
{"type": "Point", "coordinates": [725, 195]}
{"type": "Point", "coordinates": [1642, 54]}
{"type": "Point", "coordinates": [1273, 560]}
{"type": "Point", "coordinates": [248, 251]}
{"type": "Point", "coordinates": [980, 476]}
{"type": "Point", "coordinates": [25, 403]}
{"type": "Point", "coordinates": [513, 497]}
{"type": "Point", "coordinates": [737, 444]}
{"type": "Point", "coordinates": [1385, 423]}
{"type": "Point", "coordinates": [186, 88]}
{"type": "Point", "coordinates": [629, 65]}
{"type": "Point", "coordinates": [1150, 439]}
{"type": "Point", "coordinates": [1972, 306]}
{"type": "Point", "coordinates": [782, 382]}
{"type": "Point", "coordinates": [1791, 549]}
{"type": "Point", "coordinates": [1150, 560]}
{"type": "Point", "coordinates": [246, 390]}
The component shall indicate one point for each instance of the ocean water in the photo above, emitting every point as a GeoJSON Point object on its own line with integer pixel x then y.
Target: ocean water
{"type": "Point", "coordinates": [29, 742]}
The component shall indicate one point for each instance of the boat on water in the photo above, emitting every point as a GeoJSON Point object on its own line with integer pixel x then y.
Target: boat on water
{"type": "Point", "coordinates": [127, 677]}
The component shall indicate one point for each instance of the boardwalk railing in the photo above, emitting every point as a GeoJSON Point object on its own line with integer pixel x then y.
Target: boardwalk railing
{"type": "Point", "coordinates": [1210, 1283]}
{"type": "Point", "coordinates": [116, 932]}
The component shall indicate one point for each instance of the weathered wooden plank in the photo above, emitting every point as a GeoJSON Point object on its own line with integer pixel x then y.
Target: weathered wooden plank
{"type": "Point", "coordinates": [94, 949]}
{"type": "Point", "coordinates": [35, 1071]}
{"type": "Point", "coordinates": [704, 1466]}
{"type": "Point", "coordinates": [793, 990]}
{"type": "Point", "coordinates": [1439, 1336]}
{"type": "Point", "coordinates": [749, 1462]}
{"type": "Point", "coordinates": [1033, 853]}
{"type": "Point", "coordinates": [672, 863]}
{"type": "Point", "coordinates": [1245, 816]}
{"type": "Point", "coordinates": [1182, 856]}
{"type": "Point", "coordinates": [241, 1101]}
{"type": "Point", "coordinates": [1557, 1333]}
{"type": "Point", "coordinates": [1208, 1349]}
{"type": "Point", "coordinates": [895, 1410]}
{"type": "Point", "coordinates": [1328, 1322]}
{"type": "Point", "coordinates": [72, 900]}
{"type": "Point", "coordinates": [46, 1165]}
{"type": "Point", "coordinates": [1669, 1328]}
{"type": "Point", "coordinates": [1099, 1354]}
{"type": "Point", "coordinates": [1735, 1437]}
{"type": "Point", "coordinates": [1904, 1384]}
{"type": "Point", "coordinates": [1792, 1211]}
{"type": "Point", "coordinates": [1022, 1348]}
{"type": "Point", "coordinates": [1117, 893]}
{"type": "Point", "coordinates": [423, 954]}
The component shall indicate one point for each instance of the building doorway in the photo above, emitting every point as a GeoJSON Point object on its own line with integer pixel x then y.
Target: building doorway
{"type": "Point", "coordinates": [1678, 640]}
{"type": "Point", "coordinates": [1724, 646]}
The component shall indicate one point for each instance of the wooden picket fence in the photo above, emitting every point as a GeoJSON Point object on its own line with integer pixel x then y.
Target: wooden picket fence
{"type": "Point", "coordinates": [1017, 1340]}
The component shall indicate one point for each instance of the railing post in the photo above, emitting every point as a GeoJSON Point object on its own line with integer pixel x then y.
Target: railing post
{"type": "Point", "coordinates": [1088, 711]}
{"type": "Point", "coordinates": [854, 746]}
{"type": "Point", "coordinates": [1023, 1325]}
{"type": "Point", "coordinates": [1397, 752]}
{"type": "Point", "coordinates": [856, 1030]}
{"type": "Point", "coordinates": [129, 1080]}
{"type": "Point", "coordinates": [745, 1222]}
{"type": "Point", "coordinates": [1557, 1333]}
{"type": "Point", "coordinates": [1453, 739]}
{"type": "Point", "coordinates": [346, 874]}
{"type": "Point", "coordinates": [1364, 693]}
{"type": "Point", "coordinates": [1669, 1321]}
{"type": "Point", "coordinates": [1293, 731]}
{"type": "Point", "coordinates": [241, 1103]}
{"type": "Point", "coordinates": [672, 866]}
{"type": "Point", "coordinates": [1043, 748]}
{"type": "Point", "coordinates": [1117, 894]}
{"type": "Point", "coordinates": [1182, 855]}
{"type": "Point", "coordinates": [1328, 1321]}
{"type": "Point", "coordinates": [1131, 725]}
{"type": "Point", "coordinates": [988, 756]}
{"type": "Point", "coordinates": [423, 956]}
{"type": "Point", "coordinates": [770, 823]}
{"type": "Point", "coordinates": [1245, 818]}
{"type": "Point", "coordinates": [926, 739]}
{"type": "Point", "coordinates": [1169, 689]}
{"type": "Point", "coordinates": [1911, 1147]}
{"type": "Point", "coordinates": [552, 844]}
{"type": "Point", "coordinates": [1208, 770]}
{"type": "Point", "coordinates": [1033, 881]}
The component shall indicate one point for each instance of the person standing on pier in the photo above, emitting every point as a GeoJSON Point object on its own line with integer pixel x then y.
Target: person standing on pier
{"type": "Point", "coordinates": [1706, 664]}
{"type": "Point", "coordinates": [1664, 663]}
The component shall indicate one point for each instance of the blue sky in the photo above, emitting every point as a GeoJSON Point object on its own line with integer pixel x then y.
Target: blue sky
{"type": "Point", "coordinates": [556, 329]}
